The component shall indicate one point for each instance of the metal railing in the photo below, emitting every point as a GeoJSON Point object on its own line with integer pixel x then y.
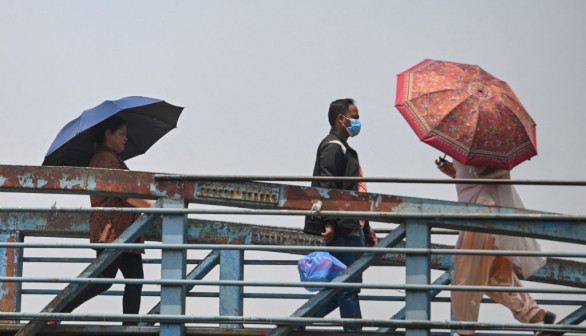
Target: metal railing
{"type": "Point", "coordinates": [407, 244]}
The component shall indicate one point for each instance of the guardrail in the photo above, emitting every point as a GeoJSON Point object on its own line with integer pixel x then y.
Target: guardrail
{"type": "Point", "coordinates": [407, 244]}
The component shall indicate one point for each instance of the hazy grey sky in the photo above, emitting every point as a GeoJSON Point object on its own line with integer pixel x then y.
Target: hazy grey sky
{"type": "Point", "coordinates": [256, 79]}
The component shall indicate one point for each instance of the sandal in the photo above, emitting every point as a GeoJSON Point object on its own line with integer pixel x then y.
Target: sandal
{"type": "Point", "coordinates": [548, 318]}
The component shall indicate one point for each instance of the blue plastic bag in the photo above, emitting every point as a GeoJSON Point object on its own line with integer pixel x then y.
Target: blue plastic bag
{"type": "Point", "coordinates": [319, 267]}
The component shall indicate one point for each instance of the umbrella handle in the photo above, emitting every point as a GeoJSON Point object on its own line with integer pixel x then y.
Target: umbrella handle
{"type": "Point", "coordinates": [442, 159]}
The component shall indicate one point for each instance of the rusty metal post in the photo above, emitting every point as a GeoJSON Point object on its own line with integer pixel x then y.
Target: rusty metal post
{"type": "Point", "coordinates": [11, 259]}
{"type": "Point", "coordinates": [417, 303]}
{"type": "Point", "coordinates": [231, 297]}
{"type": "Point", "coordinates": [173, 266]}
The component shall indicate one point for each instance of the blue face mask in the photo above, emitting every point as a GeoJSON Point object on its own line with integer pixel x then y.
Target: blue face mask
{"type": "Point", "coordinates": [354, 128]}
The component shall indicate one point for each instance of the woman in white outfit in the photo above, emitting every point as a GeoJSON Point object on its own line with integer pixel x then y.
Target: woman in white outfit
{"type": "Point", "coordinates": [476, 270]}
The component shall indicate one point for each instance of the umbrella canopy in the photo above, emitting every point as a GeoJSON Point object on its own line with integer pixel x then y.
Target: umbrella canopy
{"type": "Point", "coordinates": [466, 113]}
{"type": "Point", "coordinates": [148, 120]}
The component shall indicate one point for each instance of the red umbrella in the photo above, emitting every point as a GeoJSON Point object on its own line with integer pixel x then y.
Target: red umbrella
{"type": "Point", "coordinates": [466, 113]}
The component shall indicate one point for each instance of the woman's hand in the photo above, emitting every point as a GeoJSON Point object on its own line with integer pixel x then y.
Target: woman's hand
{"type": "Point", "coordinates": [446, 167]}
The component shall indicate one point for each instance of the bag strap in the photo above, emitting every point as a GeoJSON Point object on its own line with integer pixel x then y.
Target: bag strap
{"type": "Point", "coordinates": [339, 143]}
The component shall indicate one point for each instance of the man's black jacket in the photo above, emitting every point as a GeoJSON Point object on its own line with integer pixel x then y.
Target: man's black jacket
{"type": "Point", "coordinates": [334, 158]}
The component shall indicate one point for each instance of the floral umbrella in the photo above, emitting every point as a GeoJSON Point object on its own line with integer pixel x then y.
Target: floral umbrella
{"type": "Point", "coordinates": [466, 113]}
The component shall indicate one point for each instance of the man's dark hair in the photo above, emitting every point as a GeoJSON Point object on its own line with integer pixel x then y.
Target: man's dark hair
{"type": "Point", "coordinates": [339, 106]}
{"type": "Point", "coordinates": [113, 123]}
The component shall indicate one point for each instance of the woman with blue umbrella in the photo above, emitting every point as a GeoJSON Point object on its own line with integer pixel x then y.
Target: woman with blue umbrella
{"type": "Point", "coordinates": [109, 141]}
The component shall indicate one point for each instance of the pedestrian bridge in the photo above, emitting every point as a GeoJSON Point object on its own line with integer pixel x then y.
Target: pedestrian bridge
{"type": "Point", "coordinates": [217, 277]}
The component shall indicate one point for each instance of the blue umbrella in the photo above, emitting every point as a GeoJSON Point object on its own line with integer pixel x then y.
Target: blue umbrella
{"type": "Point", "coordinates": [148, 120]}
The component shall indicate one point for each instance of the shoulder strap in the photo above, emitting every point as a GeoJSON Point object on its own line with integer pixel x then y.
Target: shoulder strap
{"type": "Point", "coordinates": [339, 143]}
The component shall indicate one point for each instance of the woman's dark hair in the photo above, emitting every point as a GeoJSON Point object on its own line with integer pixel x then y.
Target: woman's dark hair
{"type": "Point", "coordinates": [339, 106]}
{"type": "Point", "coordinates": [112, 124]}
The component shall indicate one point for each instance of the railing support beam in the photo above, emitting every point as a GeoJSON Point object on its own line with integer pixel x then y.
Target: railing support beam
{"type": "Point", "coordinates": [173, 265]}
{"type": "Point", "coordinates": [198, 273]}
{"type": "Point", "coordinates": [417, 303]}
{"type": "Point", "coordinates": [444, 279]}
{"type": "Point", "coordinates": [231, 297]}
{"type": "Point", "coordinates": [11, 261]}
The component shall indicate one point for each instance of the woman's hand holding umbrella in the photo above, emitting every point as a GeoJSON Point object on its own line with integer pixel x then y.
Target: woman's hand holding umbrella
{"type": "Point", "coordinates": [446, 167]}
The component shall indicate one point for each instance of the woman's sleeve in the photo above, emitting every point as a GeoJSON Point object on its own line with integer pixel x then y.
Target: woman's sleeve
{"type": "Point", "coordinates": [105, 160]}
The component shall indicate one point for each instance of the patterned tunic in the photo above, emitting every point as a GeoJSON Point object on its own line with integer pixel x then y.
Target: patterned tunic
{"type": "Point", "coordinates": [106, 227]}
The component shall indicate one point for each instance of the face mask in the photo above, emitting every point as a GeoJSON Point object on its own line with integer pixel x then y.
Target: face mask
{"type": "Point", "coordinates": [354, 128]}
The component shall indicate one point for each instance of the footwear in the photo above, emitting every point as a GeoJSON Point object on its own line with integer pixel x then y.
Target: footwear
{"type": "Point", "coordinates": [548, 318]}
{"type": "Point", "coordinates": [543, 316]}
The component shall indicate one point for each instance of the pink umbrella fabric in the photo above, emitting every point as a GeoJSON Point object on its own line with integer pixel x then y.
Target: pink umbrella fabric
{"type": "Point", "coordinates": [467, 113]}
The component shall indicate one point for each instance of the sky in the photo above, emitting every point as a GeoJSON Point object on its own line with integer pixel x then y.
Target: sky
{"type": "Point", "coordinates": [256, 79]}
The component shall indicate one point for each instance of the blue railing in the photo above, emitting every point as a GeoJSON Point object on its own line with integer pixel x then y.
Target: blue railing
{"type": "Point", "coordinates": [406, 245]}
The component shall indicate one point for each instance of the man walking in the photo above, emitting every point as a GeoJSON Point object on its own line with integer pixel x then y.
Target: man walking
{"type": "Point", "coordinates": [336, 158]}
